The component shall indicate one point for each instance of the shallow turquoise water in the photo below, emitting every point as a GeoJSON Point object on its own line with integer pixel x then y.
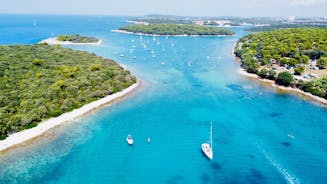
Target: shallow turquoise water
{"type": "Point", "coordinates": [189, 83]}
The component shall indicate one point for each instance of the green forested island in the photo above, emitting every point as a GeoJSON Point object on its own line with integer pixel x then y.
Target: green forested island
{"type": "Point", "coordinates": [42, 81]}
{"type": "Point", "coordinates": [293, 57]}
{"type": "Point", "coordinates": [176, 29]}
{"type": "Point", "coordinates": [77, 38]}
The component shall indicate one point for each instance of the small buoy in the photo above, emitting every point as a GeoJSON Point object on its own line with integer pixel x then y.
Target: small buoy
{"type": "Point", "coordinates": [149, 140]}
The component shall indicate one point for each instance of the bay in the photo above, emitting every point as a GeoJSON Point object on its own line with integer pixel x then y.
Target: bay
{"type": "Point", "coordinates": [187, 82]}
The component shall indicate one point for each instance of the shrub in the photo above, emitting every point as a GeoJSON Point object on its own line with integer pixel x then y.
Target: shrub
{"type": "Point", "coordinates": [313, 88]}
{"type": "Point", "coordinates": [299, 70]}
{"type": "Point", "coordinates": [95, 67]}
{"type": "Point", "coordinates": [252, 68]}
{"type": "Point", "coordinates": [3, 136]}
{"type": "Point", "coordinates": [38, 62]}
{"type": "Point", "coordinates": [263, 73]}
{"type": "Point", "coordinates": [322, 62]}
{"type": "Point", "coordinates": [285, 78]}
{"type": "Point", "coordinates": [38, 75]}
{"type": "Point", "coordinates": [271, 75]}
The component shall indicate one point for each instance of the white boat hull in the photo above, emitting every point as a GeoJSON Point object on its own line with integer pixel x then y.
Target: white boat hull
{"type": "Point", "coordinates": [207, 150]}
{"type": "Point", "coordinates": [130, 140]}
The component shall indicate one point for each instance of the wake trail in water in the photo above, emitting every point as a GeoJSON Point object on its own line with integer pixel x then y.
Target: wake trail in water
{"type": "Point", "coordinates": [290, 178]}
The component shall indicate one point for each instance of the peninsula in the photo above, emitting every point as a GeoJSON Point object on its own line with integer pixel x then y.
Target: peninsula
{"type": "Point", "coordinates": [290, 57]}
{"type": "Point", "coordinates": [51, 84]}
{"type": "Point", "coordinates": [175, 30]}
{"type": "Point", "coordinates": [72, 40]}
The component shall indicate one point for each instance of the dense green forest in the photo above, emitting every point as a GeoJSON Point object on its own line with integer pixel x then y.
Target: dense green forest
{"type": "Point", "coordinates": [42, 81]}
{"type": "Point", "coordinates": [77, 38]}
{"type": "Point", "coordinates": [176, 29]}
{"type": "Point", "coordinates": [260, 53]}
{"type": "Point", "coordinates": [282, 26]}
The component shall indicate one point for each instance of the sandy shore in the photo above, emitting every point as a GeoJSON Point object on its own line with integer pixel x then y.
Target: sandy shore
{"type": "Point", "coordinates": [55, 41]}
{"type": "Point", "coordinates": [29, 134]}
{"type": "Point", "coordinates": [306, 95]}
{"type": "Point", "coordinates": [142, 34]}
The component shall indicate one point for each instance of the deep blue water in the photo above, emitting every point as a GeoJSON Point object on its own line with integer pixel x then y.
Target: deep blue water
{"type": "Point", "coordinates": [189, 83]}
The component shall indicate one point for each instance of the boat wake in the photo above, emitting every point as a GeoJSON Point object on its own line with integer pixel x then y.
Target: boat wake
{"type": "Point", "coordinates": [290, 178]}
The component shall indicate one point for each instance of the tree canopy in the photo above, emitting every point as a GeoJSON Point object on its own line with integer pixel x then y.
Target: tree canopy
{"type": "Point", "coordinates": [285, 46]}
{"type": "Point", "coordinates": [77, 38]}
{"type": "Point", "coordinates": [176, 29]}
{"type": "Point", "coordinates": [294, 48]}
{"type": "Point", "coordinates": [42, 81]}
{"type": "Point", "coordinates": [285, 78]}
{"type": "Point", "coordinates": [283, 25]}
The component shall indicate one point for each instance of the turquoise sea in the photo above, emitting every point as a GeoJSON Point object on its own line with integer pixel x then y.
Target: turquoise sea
{"type": "Point", "coordinates": [190, 82]}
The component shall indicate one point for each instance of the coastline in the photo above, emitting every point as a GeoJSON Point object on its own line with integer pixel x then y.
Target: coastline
{"type": "Point", "coordinates": [54, 41]}
{"type": "Point", "coordinates": [184, 35]}
{"type": "Point", "coordinates": [136, 22]}
{"type": "Point", "coordinates": [306, 95]}
{"type": "Point", "coordinates": [29, 134]}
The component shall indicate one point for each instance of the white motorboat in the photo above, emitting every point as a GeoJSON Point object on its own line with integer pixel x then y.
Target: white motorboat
{"type": "Point", "coordinates": [129, 140]}
{"type": "Point", "coordinates": [291, 136]}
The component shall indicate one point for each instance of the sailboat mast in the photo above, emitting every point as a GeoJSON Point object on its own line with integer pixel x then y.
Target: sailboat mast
{"type": "Point", "coordinates": [211, 144]}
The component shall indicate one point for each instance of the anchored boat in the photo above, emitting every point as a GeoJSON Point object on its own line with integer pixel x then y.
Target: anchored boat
{"type": "Point", "coordinates": [207, 148]}
{"type": "Point", "coordinates": [129, 140]}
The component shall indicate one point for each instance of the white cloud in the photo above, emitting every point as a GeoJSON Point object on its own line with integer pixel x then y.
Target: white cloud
{"type": "Point", "coordinates": [307, 2]}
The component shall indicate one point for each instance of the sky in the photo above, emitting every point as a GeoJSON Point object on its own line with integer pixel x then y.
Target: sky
{"type": "Point", "coordinates": [244, 8]}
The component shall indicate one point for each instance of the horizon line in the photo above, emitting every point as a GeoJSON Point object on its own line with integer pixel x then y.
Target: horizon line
{"type": "Point", "coordinates": [145, 15]}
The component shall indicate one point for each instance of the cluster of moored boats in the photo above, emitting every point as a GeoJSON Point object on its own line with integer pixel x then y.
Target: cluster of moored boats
{"type": "Point", "coordinates": [143, 44]}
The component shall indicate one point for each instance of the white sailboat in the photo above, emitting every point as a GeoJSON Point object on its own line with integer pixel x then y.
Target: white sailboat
{"type": "Point", "coordinates": [207, 148]}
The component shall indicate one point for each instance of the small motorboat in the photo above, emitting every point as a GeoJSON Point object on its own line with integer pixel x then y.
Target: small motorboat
{"type": "Point", "coordinates": [291, 136]}
{"type": "Point", "coordinates": [129, 140]}
{"type": "Point", "coordinates": [149, 140]}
